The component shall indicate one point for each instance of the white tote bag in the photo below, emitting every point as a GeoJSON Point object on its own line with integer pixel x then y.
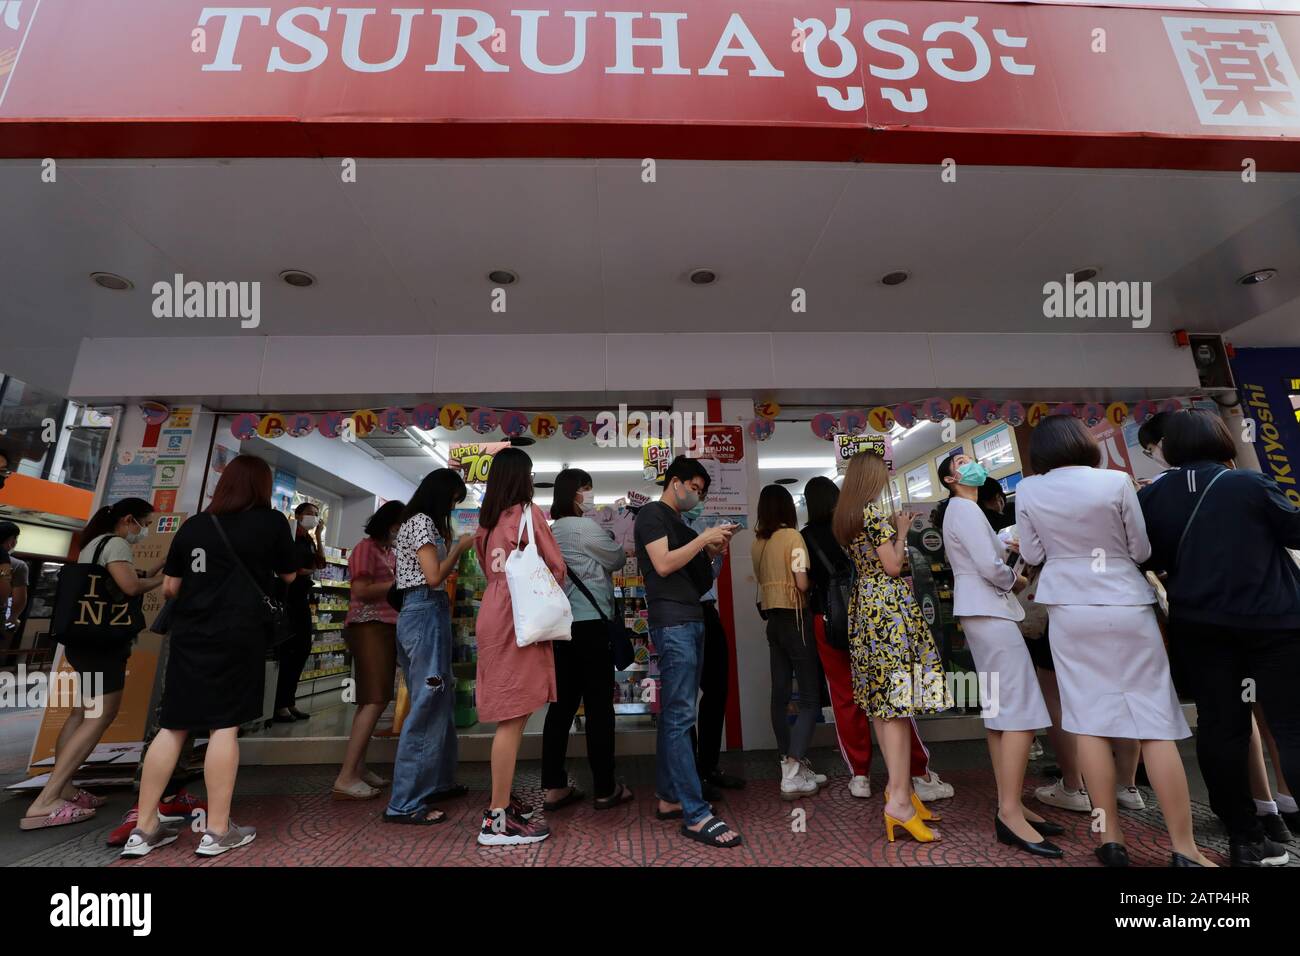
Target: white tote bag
{"type": "Point", "coordinates": [541, 608]}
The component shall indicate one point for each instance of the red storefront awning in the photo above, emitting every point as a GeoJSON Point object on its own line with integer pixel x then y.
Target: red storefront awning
{"type": "Point", "coordinates": [859, 80]}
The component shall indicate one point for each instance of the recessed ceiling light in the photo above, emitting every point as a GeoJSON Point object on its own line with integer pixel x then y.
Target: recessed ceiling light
{"type": "Point", "coordinates": [894, 278]}
{"type": "Point", "coordinates": [297, 278]}
{"type": "Point", "coordinates": [787, 481]}
{"type": "Point", "coordinates": [521, 441]}
{"type": "Point", "coordinates": [1086, 273]}
{"type": "Point", "coordinates": [502, 277]}
{"type": "Point", "coordinates": [703, 277]}
{"type": "Point", "coordinates": [109, 280]}
{"type": "Point", "coordinates": [543, 484]}
{"type": "Point", "coordinates": [1256, 277]}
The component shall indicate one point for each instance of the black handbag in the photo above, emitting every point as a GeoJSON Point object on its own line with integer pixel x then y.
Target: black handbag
{"type": "Point", "coordinates": [620, 638]}
{"type": "Point", "coordinates": [394, 597]}
{"type": "Point", "coordinates": [89, 609]}
{"type": "Point", "coordinates": [162, 622]}
{"type": "Point", "coordinates": [835, 600]}
{"type": "Point", "coordinates": [273, 613]}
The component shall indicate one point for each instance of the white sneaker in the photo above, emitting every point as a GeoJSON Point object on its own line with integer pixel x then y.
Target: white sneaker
{"type": "Point", "coordinates": [1059, 795]}
{"type": "Point", "coordinates": [819, 777]}
{"type": "Point", "coordinates": [860, 787]}
{"type": "Point", "coordinates": [796, 782]}
{"type": "Point", "coordinates": [930, 788]}
{"type": "Point", "coordinates": [1035, 749]}
{"type": "Point", "coordinates": [1130, 798]}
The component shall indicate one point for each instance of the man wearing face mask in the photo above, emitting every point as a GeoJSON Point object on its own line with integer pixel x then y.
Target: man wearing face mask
{"type": "Point", "coordinates": [294, 652]}
{"type": "Point", "coordinates": [675, 562]}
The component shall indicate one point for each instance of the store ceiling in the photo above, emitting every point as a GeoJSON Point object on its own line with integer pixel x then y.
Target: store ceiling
{"type": "Point", "coordinates": [406, 248]}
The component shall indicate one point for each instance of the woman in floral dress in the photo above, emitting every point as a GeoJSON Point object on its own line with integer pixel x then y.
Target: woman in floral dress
{"type": "Point", "coordinates": [897, 671]}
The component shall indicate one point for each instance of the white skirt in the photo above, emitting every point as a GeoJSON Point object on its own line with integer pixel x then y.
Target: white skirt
{"type": "Point", "coordinates": [1009, 688]}
{"type": "Point", "coordinates": [1113, 672]}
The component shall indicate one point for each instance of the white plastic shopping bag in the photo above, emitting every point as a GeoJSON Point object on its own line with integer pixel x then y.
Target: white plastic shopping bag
{"type": "Point", "coordinates": [541, 608]}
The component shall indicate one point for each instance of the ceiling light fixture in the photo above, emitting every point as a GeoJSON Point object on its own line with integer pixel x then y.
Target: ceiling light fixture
{"type": "Point", "coordinates": [503, 277]}
{"type": "Point", "coordinates": [703, 277]}
{"type": "Point", "coordinates": [1256, 277]}
{"type": "Point", "coordinates": [111, 281]}
{"type": "Point", "coordinates": [297, 278]}
{"type": "Point", "coordinates": [895, 278]}
{"type": "Point", "coordinates": [1086, 273]}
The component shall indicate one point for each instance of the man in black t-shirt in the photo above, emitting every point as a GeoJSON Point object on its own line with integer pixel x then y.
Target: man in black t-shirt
{"type": "Point", "coordinates": [675, 562]}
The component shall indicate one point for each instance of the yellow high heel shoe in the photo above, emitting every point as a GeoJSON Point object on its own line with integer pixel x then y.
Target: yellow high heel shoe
{"type": "Point", "coordinates": [914, 826]}
{"type": "Point", "coordinates": [922, 811]}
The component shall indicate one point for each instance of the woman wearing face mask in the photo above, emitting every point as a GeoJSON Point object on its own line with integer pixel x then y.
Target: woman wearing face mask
{"type": "Point", "coordinates": [982, 599]}
{"type": "Point", "coordinates": [106, 541]}
{"type": "Point", "coordinates": [584, 666]}
{"type": "Point", "coordinates": [370, 631]}
{"type": "Point", "coordinates": [294, 652]}
{"type": "Point", "coordinates": [428, 749]}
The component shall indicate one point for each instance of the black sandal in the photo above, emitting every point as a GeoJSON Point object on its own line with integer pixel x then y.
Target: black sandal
{"type": "Point", "coordinates": [416, 818]}
{"type": "Point", "coordinates": [452, 793]}
{"type": "Point", "coordinates": [711, 833]}
{"type": "Point", "coordinates": [573, 796]}
{"type": "Point", "coordinates": [620, 796]}
{"type": "Point", "coordinates": [668, 814]}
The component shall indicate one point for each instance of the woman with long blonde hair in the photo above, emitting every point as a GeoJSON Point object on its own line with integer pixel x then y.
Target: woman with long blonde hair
{"type": "Point", "coordinates": [897, 672]}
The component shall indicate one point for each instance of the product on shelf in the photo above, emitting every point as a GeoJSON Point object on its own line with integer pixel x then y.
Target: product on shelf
{"type": "Point", "coordinates": [470, 584]}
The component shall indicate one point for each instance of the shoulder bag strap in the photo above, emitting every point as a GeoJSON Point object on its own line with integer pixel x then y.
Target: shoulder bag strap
{"type": "Point", "coordinates": [525, 518]}
{"type": "Point", "coordinates": [1192, 517]}
{"type": "Point", "coordinates": [577, 582]}
{"type": "Point", "coordinates": [830, 568]}
{"type": "Point", "coordinates": [99, 548]}
{"type": "Point", "coordinates": [248, 575]}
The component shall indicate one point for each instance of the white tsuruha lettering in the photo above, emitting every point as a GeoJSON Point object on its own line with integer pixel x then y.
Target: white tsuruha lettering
{"type": "Point", "coordinates": [528, 30]}
{"type": "Point", "coordinates": [208, 300]}
{"type": "Point", "coordinates": [232, 21]}
{"type": "Point", "coordinates": [749, 48]}
{"type": "Point", "coordinates": [853, 98]}
{"type": "Point", "coordinates": [76, 909]}
{"type": "Point", "coordinates": [317, 49]}
{"type": "Point", "coordinates": [354, 23]}
{"type": "Point", "coordinates": [913, 99]}
{"type": "Point", "coordinates": [450, 38]}
{"type": "Point", "coordinates": [1098, 300]}
{"type": "Point", "coordinates": [940, 57]}
{"type": "Point", "coordinates": [667, 41]}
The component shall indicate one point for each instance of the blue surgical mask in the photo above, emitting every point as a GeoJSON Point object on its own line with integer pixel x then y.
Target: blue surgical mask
{"type": "Point", "coordinates": [694, 512]}
{"type": "Point", "coordinates": [972, 474]}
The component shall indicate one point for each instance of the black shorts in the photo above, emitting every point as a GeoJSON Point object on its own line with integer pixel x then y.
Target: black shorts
{"type": "Point", "coordinates": [1040, 652]}
{"type": "Point", "coordinates": [102, 669]}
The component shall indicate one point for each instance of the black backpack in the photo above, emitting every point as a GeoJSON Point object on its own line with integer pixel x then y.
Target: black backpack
{"type": "Point", "coordinates": [835, 600]}
{"type": "Point", "coordinates": [90, 609]}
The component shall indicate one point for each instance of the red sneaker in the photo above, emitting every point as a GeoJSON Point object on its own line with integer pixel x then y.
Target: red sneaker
{"type": "Point", "coordinates": [182, 806]}
{"type": "Point", "coordinates": [119, 836]}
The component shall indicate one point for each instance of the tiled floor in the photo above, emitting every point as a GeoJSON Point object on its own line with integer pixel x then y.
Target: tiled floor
{"type": "Point", "coordinates": [299, 825]}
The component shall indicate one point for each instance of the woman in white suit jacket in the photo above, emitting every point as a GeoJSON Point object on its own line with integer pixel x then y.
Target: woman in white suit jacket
{"type": "Point", "coordinates": [1084, 525]}
{"type": "Point", "coordinates": [982, 599]}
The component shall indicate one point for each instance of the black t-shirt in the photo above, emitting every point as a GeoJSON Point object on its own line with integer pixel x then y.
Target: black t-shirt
{"type": "Point", "coordinates": [821, 542]}
{"type": "Point", "coordinates": [304, 556]}
{"type": "Point", "coordinates": [674, 599]}
{"type": "Point", "coordinates": [259, 536]}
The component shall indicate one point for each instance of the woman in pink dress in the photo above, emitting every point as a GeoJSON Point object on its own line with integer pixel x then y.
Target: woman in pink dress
{"type": "Point", "coordinates": [513, 681]}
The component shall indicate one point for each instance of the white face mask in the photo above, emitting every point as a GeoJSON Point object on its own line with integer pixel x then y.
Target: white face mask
{"type": "Point", "coordinates": [585, 503]}
{"type": "Point", "coordinates": [138, 535]}
{"type": "Point", "coordinates": [308, 522]}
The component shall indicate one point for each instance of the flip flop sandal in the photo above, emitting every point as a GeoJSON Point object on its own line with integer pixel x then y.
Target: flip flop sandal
{"type": "Point", "coordinates": [67, 813]}
{"type": "Point", "coordinates": [375, 780]}
{"type": "Point", "coordinates": [573, 796]}
{"type": "Point", "coordinates": [416, 818]}
{"type": "Point", "coordinates": [87, 800]}
{"type": "Point", "coordinates": [623, 795]}
{"type": "Point", "coordinates": [711, 832]}
{"type": "Point", "coordinates": [358, 791]}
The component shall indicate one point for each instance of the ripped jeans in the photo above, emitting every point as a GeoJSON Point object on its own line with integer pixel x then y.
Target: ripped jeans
{"type": "Point", "coordinates": [427, 751]}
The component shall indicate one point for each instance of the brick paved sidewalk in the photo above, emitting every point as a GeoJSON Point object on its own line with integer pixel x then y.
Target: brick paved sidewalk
{"type": "Point", "coordinates": [299, 825]}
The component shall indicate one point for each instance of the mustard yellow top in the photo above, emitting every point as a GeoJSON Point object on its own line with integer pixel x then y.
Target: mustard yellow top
{"type": "Point", "coordinates": [775, 561]}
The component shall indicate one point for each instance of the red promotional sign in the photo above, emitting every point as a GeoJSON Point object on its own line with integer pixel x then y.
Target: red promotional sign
{"type": "Point", "coordinates": [796, 79]}
{"type": "Point", "coordinates": [1114, 453]}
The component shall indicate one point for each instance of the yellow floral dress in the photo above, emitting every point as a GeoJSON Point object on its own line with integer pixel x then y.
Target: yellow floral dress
{"type": "Point", "coordinates": [897, 671]}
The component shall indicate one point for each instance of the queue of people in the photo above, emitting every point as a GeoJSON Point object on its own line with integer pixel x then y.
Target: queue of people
{"type": "Point", "coordinates": [835, 603]}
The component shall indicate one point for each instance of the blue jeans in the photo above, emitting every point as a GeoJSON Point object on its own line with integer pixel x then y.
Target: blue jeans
{"type": "Point", "coordinates": [681, 659]}
{"type": "Point", "coordinates": [428, 750]}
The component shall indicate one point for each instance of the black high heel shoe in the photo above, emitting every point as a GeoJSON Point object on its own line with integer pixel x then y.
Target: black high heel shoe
{"type": "Point", "coordinates": [1047, 827]}
{"type": "Point", "coordinates": [1043, 848]}
{"type": "Point", "coordinates": [1177, 859]}
{"type": "Point", "coordinates": [1112, 854]}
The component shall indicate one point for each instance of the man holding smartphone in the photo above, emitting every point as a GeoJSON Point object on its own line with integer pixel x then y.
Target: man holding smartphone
{"type": "Point", "coordinates": [676, 564]}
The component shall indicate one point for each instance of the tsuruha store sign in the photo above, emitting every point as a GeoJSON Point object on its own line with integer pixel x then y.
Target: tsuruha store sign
{"type": "Point", "coordinates": [863, 64]}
